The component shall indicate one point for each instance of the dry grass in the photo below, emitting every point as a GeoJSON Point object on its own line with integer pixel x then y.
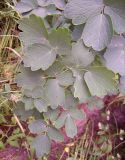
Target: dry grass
{"type": "Point", "coordinates": [9, 45]}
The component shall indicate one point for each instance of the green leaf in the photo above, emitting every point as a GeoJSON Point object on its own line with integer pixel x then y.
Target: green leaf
{"type": "Point", "coordinates": [115, 55]}
{"type": "Point", "coordinates": [81, 10]}
{"type": "Point", "coordinates": [76, 113]}
{"type": "Point", "coordinates": [21, 112]}
{"type": "Point", "coordinates": [70, 127]}
{"type": "Point", "coordinates": [60, 4]}
{"type": "Point", "coordinates": [37, 127]}
{"type": "Point", "coordinates": [52, 114]}
{"type": "Point", "coordinates": [41, 105]}
{"type": "Point", "coordinates": [37, 92]}
{"type": "Point", "coordinates": [80, 88]}
{"type": "Point", "coordinates": [42, 146]}
{"type": "Point", "coordinates": [116, 10]}
{"type": "Point", "coordinates": [98, 35]}
{"type": "Point", "coordinates": [60, 39]}
{"type": "Point", "coordinates": [44, 2]}
{"type": "Point", "coordinates": [28, 103]}
{"type": "Point", "coordinates": [40, 11]}
{"type": "Point", "coordinates": [28, 79]}
{"type": "Point", "coordinates": [81, 54]}
{"type": "Point", "coordinates": [95, 102]}
{"type": "Point", "coordinates": [26, 5]}
{"type": "Point", "coordinates": [55, 69]}
{"type": "Point", "coordinates": [55, 93]}
{"type": "Point", "coordinates": [77, 32]}
{"type": "Point", "coordinates": [32, 33]}
{"type": "Point", "coordinates": [54, 134]}
{"type": "Point", "coordinates": [70, 101]}
{"type": "Point", "coordinates": [100, 81]}
{"type": "Point", "coordinates": [65, 78]}
{"type": "Point", "coordinates": [39, 56]}
{"type": "Point", "coordinates": [45, 11]}
{"type": "Point", "coordinates": [61, 120]}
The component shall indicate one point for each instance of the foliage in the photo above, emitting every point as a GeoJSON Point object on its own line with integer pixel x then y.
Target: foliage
{"type": "Point", "coordinates": [65, 62]}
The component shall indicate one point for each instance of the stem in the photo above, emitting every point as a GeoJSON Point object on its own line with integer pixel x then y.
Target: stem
{"type": "Point", "coordinates": [23, 131]}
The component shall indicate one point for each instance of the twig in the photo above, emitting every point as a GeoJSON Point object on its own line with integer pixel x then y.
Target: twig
{"type": "Point", "coordinates": [23, 131]}
{"type": "Point", "coordinates": [14, 51]}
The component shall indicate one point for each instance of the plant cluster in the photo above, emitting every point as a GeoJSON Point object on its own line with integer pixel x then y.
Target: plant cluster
{"type": "Point", "coordinates": [73, 53]}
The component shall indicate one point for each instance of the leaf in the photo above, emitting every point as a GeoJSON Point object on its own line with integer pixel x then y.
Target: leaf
{"type": "Point", "coordinates": [45, 11]}
{"type": "Point", "coordinates": [44, 2]}
{"type": "Point", "coordinates": [76, 113]}
{"type": "Point", "coordinates": [65, 78]}
{"type": "Point", "coordinates": [115, 55]}
{"type": "Point", "coordinates": [40, 11]}
{"type": "Point", "coordinates": [54, 134]}
{"type": "Point", "coordinates": [52, 114]}
{"type": "Point", "coordinates": [42, 145]}
{"type": "Point", "coordinates": [26, 5]}
{"type": "Point", "coordinates": [61, 120]}
{"type": "Point", "coordinates": [52, 10]}
{"type": "Point", "coordinates": [32, 33]}
{"type": "Point", "coordinates": [55, 69]}
{"type": "Point", "coordinates": [23, 7]}
{"type": "Point", "coordinates": [37, 127]}
{"type": "Point", "coordinates": [70, 127]}
{"type": "Point", "coordinates": [81, 54]}
{"type": "Point", "coordinates": [39, 56]}
{"type": "Point", "coordinates": [21, 112]}
{"type": "Point", "coordinates": [55, 93]}
{"type": "Point", "coordinates": [28, 103]}
{"type": "Point", "coordinates": [100, 81]}
{"type": "Point", "coordinates": [60, 4]}
{"type": "Point", "coordinates": [77, 32]}
{"type": "Point", "coordinates": [80, 88]}
{"type": "Point", "coordinates": [95, 102]}
{"type": "Point", "coordinates": [60, 39]}
{"type": "Point", "coordinates": [98, 35]}
{"type": "Point", "coordinates": [70, 101]}
{"type": "Point", "coordinates": [28, 79]}
{"type": "Point", "coordinates": [37, 92]}
{"type": "Point", "coordinates": [41, 105]}
{"type": "Point", "coordinates": [81, 10]}
{"type": "Point", "coordinates": [116, 10]}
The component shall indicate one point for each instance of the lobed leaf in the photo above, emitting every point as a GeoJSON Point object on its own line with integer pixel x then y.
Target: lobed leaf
{"type": "Point", "coordinates": [55, 134]}
{"type": "Point", "coordinates": [46, 54]}
{"type": "Point", "coordinates": [42, 146]}
{"type": "Point", "coordinates": [116, 10]}
{"type": "Point", "coordinates": [80, 10]}
{"type": "Point", "coordinates": [100, 81]}
{"type": "Point", "coordinates": [70, 127]}
{"type": "Point", "coordinates": [98, 35]}
{"type": "Point", "coordinates": [55, 93]}
{"type": "Point", "coordinates": [28, 79]}
{"type": "Point", "coordinates": [32, 33]}
{"type": "Point", "coordinates": [37, 127]}
{"type": "Point", "coordinates": [115, 55]}
{"type": "Point", "coordinates": [60, 39]}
